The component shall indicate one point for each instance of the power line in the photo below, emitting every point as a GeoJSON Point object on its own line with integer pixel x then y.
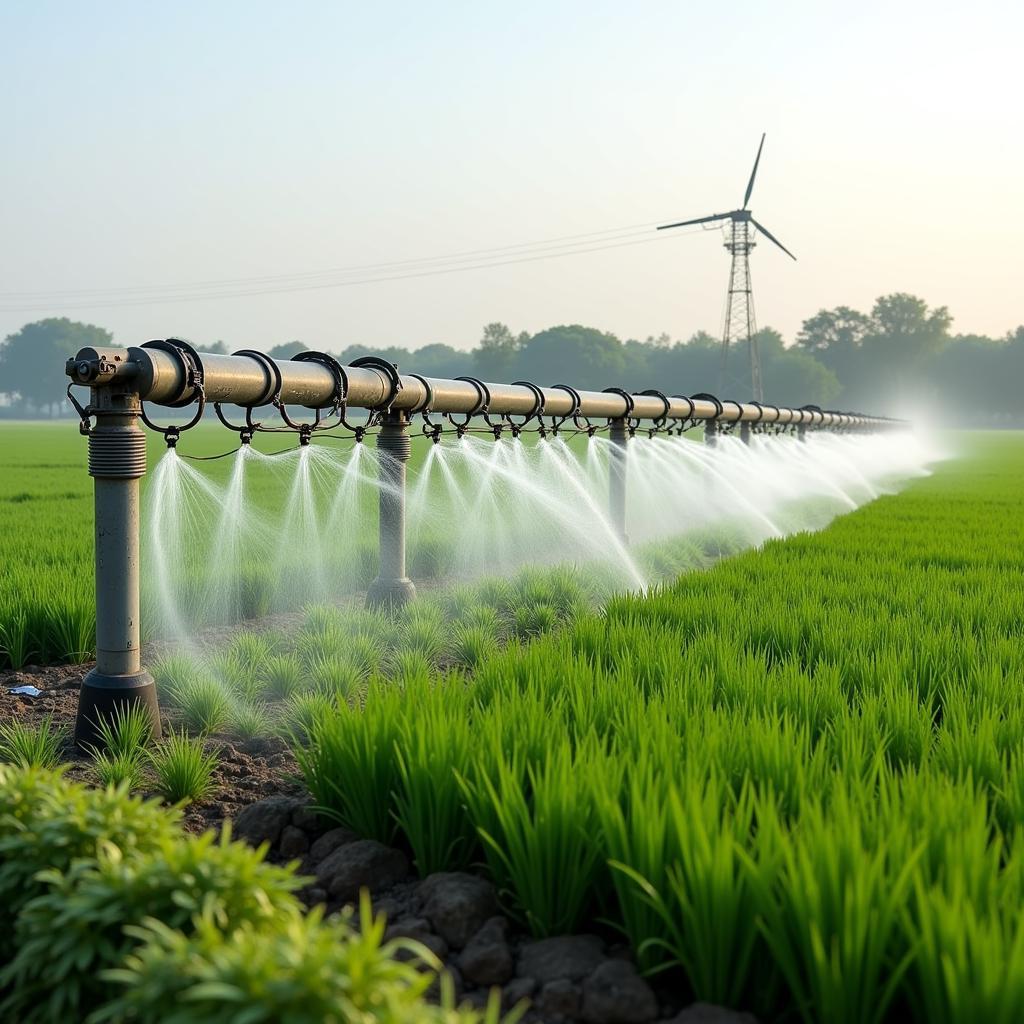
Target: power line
{"type": "Point", "coordinates": [285, 288]}
{"type": "Point", "coordinates": [471, 255]}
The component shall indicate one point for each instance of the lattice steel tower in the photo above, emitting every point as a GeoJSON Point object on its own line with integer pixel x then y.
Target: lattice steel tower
{"type": "Point", "coordinates": [739, 310]}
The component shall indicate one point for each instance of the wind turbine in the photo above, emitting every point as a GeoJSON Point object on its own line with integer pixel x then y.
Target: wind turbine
{"type": "Point", "coordinates": [739, 311]}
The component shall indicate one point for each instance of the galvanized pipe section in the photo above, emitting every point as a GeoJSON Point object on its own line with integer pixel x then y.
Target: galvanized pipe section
{"type": "Point", "coordinates": [160, 377]}
{"type": "Point", "coordinates": [392, 587]}
{"type": "Point", "coordinates": [117, 460]}
{"type": "Point", "coordinates": [618, 451]}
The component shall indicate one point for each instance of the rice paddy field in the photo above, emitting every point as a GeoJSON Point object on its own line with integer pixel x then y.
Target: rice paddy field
{"type": "Point", "coordinates": [793, 781]}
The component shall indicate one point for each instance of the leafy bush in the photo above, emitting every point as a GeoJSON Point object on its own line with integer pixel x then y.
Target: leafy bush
{"type": "Point", "coordinates": [80, 924]}
{"type": "Point", "coordinates": [47, 821]}
{"type": "Point", "coordinates": [303, 970]}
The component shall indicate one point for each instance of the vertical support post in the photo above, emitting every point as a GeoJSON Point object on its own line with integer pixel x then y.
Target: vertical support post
{"type": "Point", "coordinates": [392, 587]}
{"type": "Point", "coordinates": [745, 432]}
{"type": "Point", "coordinates": [618, 434]}
{"type": "Point", "coordinates": [711, 433]}
{"type": "Point", "coordinates": [117, 461]}
{"type": "Point", "coordinates": [801, 432]}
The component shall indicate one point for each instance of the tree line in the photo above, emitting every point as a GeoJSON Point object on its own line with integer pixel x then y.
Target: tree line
{"type": "Point", "coordinates": [901, 353]}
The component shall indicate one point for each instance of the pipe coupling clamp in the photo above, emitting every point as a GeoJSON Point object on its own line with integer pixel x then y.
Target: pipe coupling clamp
{"type": "Point", "coordinates": [117, 453]}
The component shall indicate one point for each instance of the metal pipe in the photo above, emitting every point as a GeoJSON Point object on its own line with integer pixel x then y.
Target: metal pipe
{"type": "Point", "coordinates": [117, 461]}
{"type": "Point", "coordinates": [160, 377]}
{"type": "Point", "coordinates": [392, 587]}
{"type": "Point", "coordinates": [618, 435]}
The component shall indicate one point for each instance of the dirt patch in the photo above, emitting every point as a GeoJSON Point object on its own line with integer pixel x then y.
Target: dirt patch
{"type": "Point", "coordinates": [247, 771]}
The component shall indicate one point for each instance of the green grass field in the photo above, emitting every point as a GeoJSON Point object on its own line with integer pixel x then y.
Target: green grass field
{"type": "Point", "coordinates": [797, 779]}
{"type": "Point", "coordinates": [46, 540]}
{"type": "Point", "coordinates": [794, 781]}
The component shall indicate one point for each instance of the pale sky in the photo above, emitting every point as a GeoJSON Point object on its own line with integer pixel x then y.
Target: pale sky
{"type": "Point", "coordinates": [151, 146]}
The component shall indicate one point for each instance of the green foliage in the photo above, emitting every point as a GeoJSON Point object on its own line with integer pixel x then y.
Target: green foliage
{"type": "Point", "coordinates": [114, 914]}
{"type": "Point", "coordinates": [81, 924]}
{"type": "Point", "coordinates": [32, 746]}
{"type": "Point", "coordinates": [811, 810]}
{"type": "Point", "coordinates": [250, 720]}
{"type": "Point", "coordinates": [183, 768]}
{"type": "Point", "coordinates": [126, 770]}
{"type": "Point", "coordinates": [303, 970]}
{"type": "Point", "coordinates": [126, 732]}
{"type": "Point", "coordinates": [46, 821]}
{"type": "Point", "coordinates": [205, 704]}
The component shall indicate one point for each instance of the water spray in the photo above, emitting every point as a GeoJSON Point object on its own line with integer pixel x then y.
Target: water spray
{"type": "Point", "coordinates": [172, 374]}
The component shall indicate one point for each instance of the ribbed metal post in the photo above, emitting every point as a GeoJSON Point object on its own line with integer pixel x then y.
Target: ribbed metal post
{"type": "Point", "coordinates": [745, 432]}
{"type": "Point", "coordinates": [392, 587]}
{"type": "Point", "coordinates": [117, 460]}
{"type": "Point", "coordinates": [618, 434]}
{"type": "Point", "coordinates": [711, 433]}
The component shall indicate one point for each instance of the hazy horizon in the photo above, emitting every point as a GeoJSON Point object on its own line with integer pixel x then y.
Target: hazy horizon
{"type": "Point", "coordinates": [151, 147]}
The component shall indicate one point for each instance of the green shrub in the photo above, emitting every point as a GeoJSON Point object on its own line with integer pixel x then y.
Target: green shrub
{"type": "Point", "coordinates": [283, 676]}
{"type": "Point", "coordinates": [46, 821]}
{"type": "Point", "coordinates": [125, 733]}
{"type": "Point", "coordinates": [205, 705]}
{"type": "Point", "coordinates": [184, 771]}
{"type": "Point", "coordinates": [250, 720]}
{"type": "Point", "coordinates": [119, 769]}
{"type": "Point", "coordinates": [32, 747]}
{"type": "Point", "coordinates": [303, 970]}
{"type": "Point", "coordinates": [173, 674]}
{"type": "Point", "coordinates": [76, 928]}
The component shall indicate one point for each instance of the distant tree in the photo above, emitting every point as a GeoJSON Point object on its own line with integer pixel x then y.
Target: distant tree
{"type": "Point", "coordinates": [32, 360]}
{"type": "Point", "coordinates": [701, 339]}
{"type": "Point", "coordinates": [572, 354]}
{"type": "Point", "coordinates": [834, 330]}
{"type": "Point", "coordinates": [216, 348]}
{"type": "Point", "coordinates": [441, 361]}
{"type": "Point", "coordinates": [904, 330]}
{"type": "Point", "coordinates": [286, 350]}
{"type": "Point", "coordinates": [793, 377]}
{"type": "Point", "coordinates": [495, 355]}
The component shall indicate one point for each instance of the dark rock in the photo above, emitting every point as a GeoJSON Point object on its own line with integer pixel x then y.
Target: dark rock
{"type": "Point", "coordinates": [517, 990]}
{"type": "Point", "coordinates": [362, 864]}
{"type": "Point", "coordinates": [418, 929]}
{"type": "Point", "coordinates": [616, 994]}
{"type": "Point", "coordinates": [314, 895]}
{"type": "Point", "coordinates": [457, 905]}
{"type": "Point", "coordinates": [434, 992]}
{"type": "Point", "coordinates": [707, 1013]}
{"type": "Point", "coordinates": [264, 820]}
{"type": "Point", "coordinates": [487, 958]}
{"type": "Point", "coordinates": [305, 817]}
{"type": "Point", "coordinates": [558, 998]}
{"type": "Point", "coordinates": [565, 956]}
{"type": "Point", "coordinates": [329, 842]}
{"type": "Point", "coordinates": [293, 842]}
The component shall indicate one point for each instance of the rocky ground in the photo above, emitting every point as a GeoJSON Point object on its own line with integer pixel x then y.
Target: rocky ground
{"type": "Point", "coordinates": [588, 978]}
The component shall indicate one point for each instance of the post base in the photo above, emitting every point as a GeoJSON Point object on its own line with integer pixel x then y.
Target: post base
{"type": "Point", "coordinates": [390, 593]}
{"type": "Point", "coordinates": [102, 695]}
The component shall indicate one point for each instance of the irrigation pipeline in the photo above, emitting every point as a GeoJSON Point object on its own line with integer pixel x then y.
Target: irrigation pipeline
{"type": "Point", "coordinates": [172, 375]}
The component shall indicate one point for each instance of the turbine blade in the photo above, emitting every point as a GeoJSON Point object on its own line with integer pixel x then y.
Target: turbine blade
{"type": "Point", "coordinates": [698, 220]}
{"type": "Point", "coordinates": [764, 231]}
{"type": "Point", "coordinates": [753, 173]}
